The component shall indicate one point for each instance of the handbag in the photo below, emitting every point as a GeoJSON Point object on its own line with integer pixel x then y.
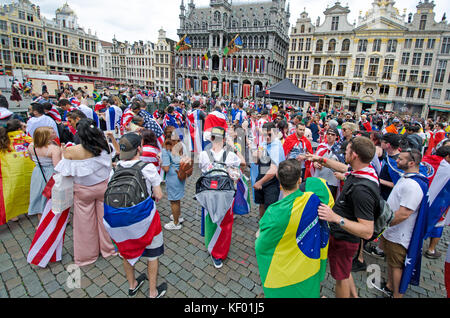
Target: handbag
{"type": "Point", "coordinates": [186, 168]}
{"type": "Point", "coordinates": [39, 163]}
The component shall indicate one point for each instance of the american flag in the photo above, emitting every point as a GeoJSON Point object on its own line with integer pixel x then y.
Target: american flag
{"type": "Point", "coordinates": [127, 117]}
{"type": "Point", "coordinates": [54, 113]}
{"type": "Point", "coordinates": [156, 128]}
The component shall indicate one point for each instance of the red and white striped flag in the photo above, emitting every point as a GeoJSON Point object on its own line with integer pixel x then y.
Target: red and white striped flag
{"type": "Point", "coordinates": [48, 240]}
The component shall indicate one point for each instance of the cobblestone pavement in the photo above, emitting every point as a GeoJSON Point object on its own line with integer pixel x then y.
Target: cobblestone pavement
{"type": "Point", "coordinates": [185, 266]}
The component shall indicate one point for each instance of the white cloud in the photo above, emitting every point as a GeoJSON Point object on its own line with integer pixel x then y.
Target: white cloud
{"type": "Point", "coordinates": [134, 20]}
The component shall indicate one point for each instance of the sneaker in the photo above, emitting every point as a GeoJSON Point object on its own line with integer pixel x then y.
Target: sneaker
{"type": "Point", "coordinates": [180, 219]}
{"type": "Point", "coordinates": [373, 251]}
{"type": "Point", "coordinates": [162, 289]}
{"type": "Point", "coordinates": [217, 262]}
{"type": "Point", "coordinates": [172, 226]}
{"type": "Point", "coordinates": [434, 255]}
{"type": "Point", "coordinates": [383, 288]}
{"type": "Point", "coordinates": [140, 281]}
{"type": "Point", "coordinates": [358, 266]}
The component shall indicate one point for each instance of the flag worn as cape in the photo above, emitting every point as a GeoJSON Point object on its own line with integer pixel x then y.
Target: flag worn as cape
{"type": "Point", "coordinates": [413, 261]}
{"type": "Point", "coordinates": [241, 203]}
{"type": "Point", "coordinates": [439, 191]}
{"type": "Point", "coordinates": [49, 237]}
{"type": "Point", "coordinates": [292, 247]}
{"type": "Point", "coordinates": [134, 229]}
{"type": "Point", "coordinates": [16, 169]}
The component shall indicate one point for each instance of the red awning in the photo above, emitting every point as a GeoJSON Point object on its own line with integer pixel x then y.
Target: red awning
{"type": "Point", "coordinates": [78, 77]}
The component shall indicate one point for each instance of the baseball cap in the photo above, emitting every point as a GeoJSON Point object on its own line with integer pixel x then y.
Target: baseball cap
{"type": "Point", "coordinates": [128, 146]}
{"type": "Point", "coordinates": [218, 132]}
{"type": "Point", "coordinates": [334, 131]}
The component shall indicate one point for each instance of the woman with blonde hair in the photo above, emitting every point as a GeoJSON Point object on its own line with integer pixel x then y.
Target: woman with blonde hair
{"type": "Point", "coordinates": [46, 155]}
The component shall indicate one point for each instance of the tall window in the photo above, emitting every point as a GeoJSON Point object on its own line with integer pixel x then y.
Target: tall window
{"type": "Point", "coordinates": [346, 45]}
{"type": "Point", "coordinates": [430, 43]}
{"type": "Point", "coordinates": [425, 76]}
{"type": "Point", "coordinates": [445, 49]}
{"type": "Point", "coordinates": [373, 66]}
{"type": "Point", "coordinates": [308, 44]}
{"type": "Point", "coordinates": [294, 45]}
{"type": "Point", "coordinates": [356, 87]}
{"type": "Point", "coordinates": [300, 44]}
{"type": "Point", "coordinates": [316, 69]}
{"type": "Point", "coordinates": [423, 22]}
{"type": "Point", "coordinates": [332, 45]}
{"type": "Point", "coordinates": [334, 23]}
{"type": "Point", "coordinates": [342, 67]}
{"type": "Point", "coordinates": [428, 59]}
{"type": "Point", "coordinates": [416, 58]}
{"type": "Point", "coordinates": [391, 46]}
{"type": "Point", "coordinates": [362, 45]}
{"type": "Point", "coordinates": [329, 69]}
{"type": "Point", "coordinates": [410, 92]}
{"type": "Point", "coordinates": [405, 58]}
{"type": "Point", "coordinates": [384, 90]}
{"type": "Point", "coordinates": [359, 67]}
{"type": "Point", "coordinates": [419, 43]}
{"type": "Point", "coordinates": [292, 62]}
{"type": "Point", "coordinates": [299, 62]}
{"type": "Point", "coordinates": [304, 77]}
{"type": "Point", "coordinates": [319, 46]}
{"type": "Point", "coordinates": [306, 63]}
{"type": "Point", "coordinates": [376, 45]}
{"type": "Point", "coordinates": [50, 37]}
{"type": "Point", "coordinates": [407, 44]}
{"type": "Point", "coordinates": [388, 67]}
{"type": "Point", "coordinates": [440, 72]}
{"type": "Point", "coordinates": [413, 76]}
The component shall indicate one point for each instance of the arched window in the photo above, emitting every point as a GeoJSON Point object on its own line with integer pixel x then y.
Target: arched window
{"type": "Point", "coordinates": [256, 42]}
{"type": "Point", "coordinates": [332, 45]}
{"type": "Point", "coordinates": [261, 42]}
{"type": "Point", "coordinates": [319, 46]}
{"type": "Point", "coordinates": [346, 45]}
{"type": "Point", "coordinates": [250, 42]}
{"type": "Point", "coordinates": [244, 42]}
{"type": "Point", "coordinates": [339, 87]}
{"type": "Point", "coordinates": [329, 68]}
{"type": "Point", "coordinates": [302, 28]}
{"type": "Point", "coordinates": [217, 17]}
{"type": "Point", "coordinates": [244, 23]}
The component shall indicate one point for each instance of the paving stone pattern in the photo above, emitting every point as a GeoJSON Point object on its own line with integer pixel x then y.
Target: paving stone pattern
{"type": "Point", "coordinates": [186, 265]}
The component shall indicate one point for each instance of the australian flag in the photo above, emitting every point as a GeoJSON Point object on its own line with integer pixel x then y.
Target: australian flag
{"type": "Point", "coordinates": [413, 261]}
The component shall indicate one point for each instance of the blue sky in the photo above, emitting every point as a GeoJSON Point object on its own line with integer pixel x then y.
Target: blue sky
{"type": "Point", "coordinates": [135, 20]}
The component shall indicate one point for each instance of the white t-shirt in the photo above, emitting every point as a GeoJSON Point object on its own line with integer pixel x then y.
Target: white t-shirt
{"type": "Point", "coordinates": [406, 193]}
{"type": "Point", "coordinates": [42, 121]}
{"type": "Point", "coordinates": [232, 160]}
{"type": "Point", "coordinates": [152, 177]}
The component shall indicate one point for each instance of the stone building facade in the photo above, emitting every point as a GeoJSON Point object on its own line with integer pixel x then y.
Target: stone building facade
{"type": "Point", "coordinates": [263, 27]}
{"type": "Point", "coordinates": [164, 63]}
{"type": "Point", "coordinates": [22, 37]}
{"type": "Point", "coordinates": [70, 50]}
{"type": "Point", "coordinates": [386, 59]}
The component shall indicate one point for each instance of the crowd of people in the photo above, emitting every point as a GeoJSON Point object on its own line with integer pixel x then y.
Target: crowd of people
{"type": "Point", "coordinates": [327, 171]}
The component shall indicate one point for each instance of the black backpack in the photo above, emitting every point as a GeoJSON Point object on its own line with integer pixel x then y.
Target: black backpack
{"type": "Point", "coordinates": [383, 214]}
{"type": "Point", "coordinates": [127, 187]}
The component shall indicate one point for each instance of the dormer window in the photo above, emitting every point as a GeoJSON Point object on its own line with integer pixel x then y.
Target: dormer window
{"type": "Point", "coordinates": [423, 22]}
{"type": "Point", "coordinates": [334, 23]}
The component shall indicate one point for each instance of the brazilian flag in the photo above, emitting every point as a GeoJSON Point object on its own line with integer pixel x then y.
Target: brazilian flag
{"type": "Point", "coordinates": [96, 96]}
{"type": "Point", "coordinates": [292, 247]}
